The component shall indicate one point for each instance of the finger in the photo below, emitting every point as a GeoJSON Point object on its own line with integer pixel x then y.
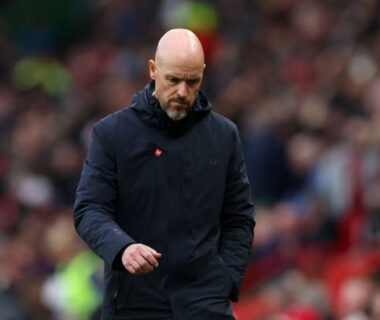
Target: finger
{"type": "Point", "coordinates": [144, 265]}
{"type": "Point", "coordinates": [131, 266]}
{"type": "Point", "coordinates": [140, 258]}
{"type": "Point", "coordinates": [157, 255]}
{"type": "Point", "coordinates": [138, 266]}
{"type": "Point", "coordinates": [150, 259]}
{"type": "Point", "coordinates": [152, 256]}
{"type": "Point", "coordinates": [154, 253]}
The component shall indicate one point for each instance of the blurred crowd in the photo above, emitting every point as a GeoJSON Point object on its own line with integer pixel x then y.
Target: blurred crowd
{"type": "Point", "coordinates": [300, 78]}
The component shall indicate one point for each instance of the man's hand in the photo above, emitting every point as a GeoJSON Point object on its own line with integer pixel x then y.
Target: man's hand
{"type": "Point", "coordinates": [138, 258]}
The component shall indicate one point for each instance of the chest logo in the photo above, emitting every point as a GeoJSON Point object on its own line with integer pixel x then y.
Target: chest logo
{"type": "Point", "coordinates": [158, 152]}
{"type": "Point", "coordinates": [213, 161]}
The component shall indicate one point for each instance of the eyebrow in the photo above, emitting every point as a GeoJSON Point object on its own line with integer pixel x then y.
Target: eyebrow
{"type": "Point", "coordinates": [170, 76]}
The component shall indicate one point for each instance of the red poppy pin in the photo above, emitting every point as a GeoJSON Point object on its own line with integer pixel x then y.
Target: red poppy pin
{"type": "Point", "coordinates": [158, 152]}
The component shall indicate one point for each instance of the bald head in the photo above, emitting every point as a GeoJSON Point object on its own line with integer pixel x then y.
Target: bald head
{"type": "Point", "coordinates": [180, 45]}
{"type": "Point", "coordinates": [177, 71]}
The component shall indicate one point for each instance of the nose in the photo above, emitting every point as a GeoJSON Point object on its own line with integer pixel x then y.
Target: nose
{"type": "Point", "coordinates": [182, 89]}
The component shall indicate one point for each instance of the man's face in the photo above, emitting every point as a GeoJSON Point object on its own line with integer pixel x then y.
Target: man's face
{"type": "Point", "coordinates": [177, 85]}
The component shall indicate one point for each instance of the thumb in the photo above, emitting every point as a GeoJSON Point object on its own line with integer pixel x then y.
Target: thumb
{"type": "Point", "coordinates": [156, 254]}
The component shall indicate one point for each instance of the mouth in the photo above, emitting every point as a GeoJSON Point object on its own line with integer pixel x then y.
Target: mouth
{"type": "Point", "coordinates": [180, 104]}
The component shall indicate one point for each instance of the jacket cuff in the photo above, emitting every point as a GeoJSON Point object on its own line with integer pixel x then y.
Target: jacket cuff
{"type": "Point", "coordinates": [117, 263]}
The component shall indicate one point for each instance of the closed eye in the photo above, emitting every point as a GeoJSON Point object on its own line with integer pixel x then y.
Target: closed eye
{"type": "Point", "coordinates": [173, 80]}
{"type": "Point", "coordinates": [193, 82]}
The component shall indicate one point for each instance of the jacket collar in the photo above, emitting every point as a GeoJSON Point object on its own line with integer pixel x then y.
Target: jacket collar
{"type": "Point", "coordinates": [149, 110]}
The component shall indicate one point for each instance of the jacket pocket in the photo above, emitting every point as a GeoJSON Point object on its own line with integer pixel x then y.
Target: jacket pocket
{"type": "Point", "coordinates": [121, 289]}
{"type": "Point", "coordinates": [226, 271]}
{"type": "Point", "coordinates": [114, 302]}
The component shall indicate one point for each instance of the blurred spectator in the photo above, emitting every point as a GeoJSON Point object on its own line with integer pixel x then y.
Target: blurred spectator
{"type": "Point", "coordinates": [300, 78]}
{"type": "Point", "coordinates": [73, 291]}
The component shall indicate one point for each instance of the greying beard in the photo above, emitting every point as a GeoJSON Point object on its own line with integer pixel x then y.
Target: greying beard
{"type": "Point", "coordinates": [176, 115]}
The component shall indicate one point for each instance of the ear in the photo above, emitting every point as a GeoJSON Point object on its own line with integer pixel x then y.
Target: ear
{"type": "Point", "coordinates": [152, 69]}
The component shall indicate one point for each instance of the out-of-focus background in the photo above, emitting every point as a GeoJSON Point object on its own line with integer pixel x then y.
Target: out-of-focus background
{"type": "Point", "coordinates": [300, 78]}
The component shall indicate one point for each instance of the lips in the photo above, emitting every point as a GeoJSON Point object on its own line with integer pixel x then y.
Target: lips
{"type": "Point", "coordinates": [182, 104]}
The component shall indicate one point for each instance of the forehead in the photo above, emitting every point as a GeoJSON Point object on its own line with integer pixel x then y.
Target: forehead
{"type": "Point", "coordinates": [177, 65]}
{"type": "Point", "coordinates": [179, 71]}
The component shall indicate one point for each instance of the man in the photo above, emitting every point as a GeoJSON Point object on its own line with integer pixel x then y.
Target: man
{"type": "Point", "coordinates": [164, 198]}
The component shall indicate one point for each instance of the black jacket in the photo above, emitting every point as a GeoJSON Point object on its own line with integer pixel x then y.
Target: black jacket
{"type": "Point", "coordinates": [191, 201]}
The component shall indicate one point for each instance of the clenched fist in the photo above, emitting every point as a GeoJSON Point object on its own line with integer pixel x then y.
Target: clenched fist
{"type": "Point", "coordinates": [138, 258]}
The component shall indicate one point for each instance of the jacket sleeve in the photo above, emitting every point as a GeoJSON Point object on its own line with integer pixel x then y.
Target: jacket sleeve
{"type": "Point", "coordinates": [237, 223]}
{"type": "Point", "coordinates": [94, 206]}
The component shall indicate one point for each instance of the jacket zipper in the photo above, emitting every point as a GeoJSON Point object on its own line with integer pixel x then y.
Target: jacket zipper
{"type": "Point", "coordinates": [115, 296]}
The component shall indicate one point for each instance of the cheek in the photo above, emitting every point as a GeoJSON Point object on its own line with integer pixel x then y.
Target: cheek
{"type": "Point", "coordinates": [164, 94]}
{"type": "Point", "coordinates": [193, 93]}
{"type": "Point", "coordinates": [169, 92]}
